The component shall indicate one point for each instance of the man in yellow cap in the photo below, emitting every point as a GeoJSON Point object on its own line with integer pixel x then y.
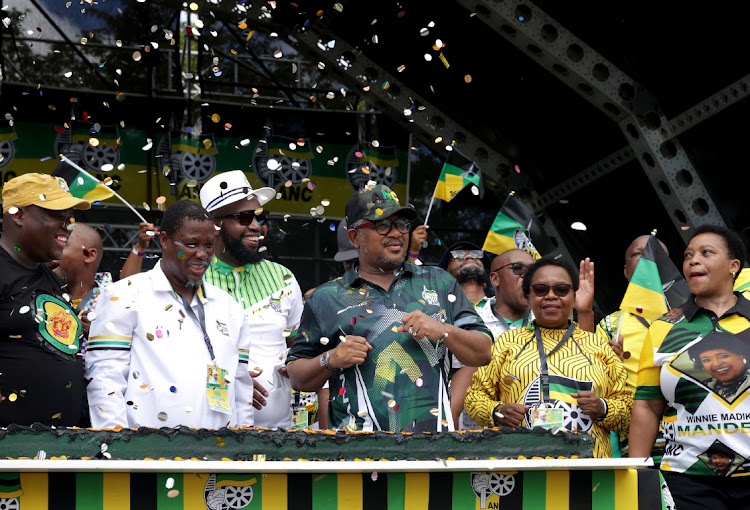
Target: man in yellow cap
{"type": "Point", "coordinates": [41, 379]}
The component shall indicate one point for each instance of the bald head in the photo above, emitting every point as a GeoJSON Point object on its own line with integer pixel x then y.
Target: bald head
{"type": "Point", "coordinates": [510, 256]}
{"type": "Point", "coordinates": [82, 255]}
{"type": "Point", "coordinates": [634, 251]}
{"type": "Point", "coordinates": [506, 276]}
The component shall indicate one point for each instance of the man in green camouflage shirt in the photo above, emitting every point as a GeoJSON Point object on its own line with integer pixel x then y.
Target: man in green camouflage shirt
{"type": "Point", "coordinates": [380, 333]}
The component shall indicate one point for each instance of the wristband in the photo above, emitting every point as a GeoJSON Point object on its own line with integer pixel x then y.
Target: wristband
{"type": "Point", "coordinates": [137, 252]}
{"type": "Point", "coordinates": [414, 255]}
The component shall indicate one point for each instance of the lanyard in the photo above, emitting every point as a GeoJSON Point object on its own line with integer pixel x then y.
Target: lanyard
{"type": "Point", "coordinates": [503, 321]}
{"type": "Point", "coordinates": [543, 368]}
{"type": "Point", "coordinates": [201, 320]}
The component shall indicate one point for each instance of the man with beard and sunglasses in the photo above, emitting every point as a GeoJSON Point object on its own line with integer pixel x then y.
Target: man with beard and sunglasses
{"type": "Point", "coordinates": [166, 348]}
{"type": "Point", "coordinates": [380, 334]}
{"type": "Point", "coordinates": [267, 291]}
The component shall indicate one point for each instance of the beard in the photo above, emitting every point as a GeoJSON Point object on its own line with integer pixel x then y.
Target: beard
{"type": "Point", "coordinates": [471, 273]}
{"type": "Point", "coordinates": [239, 251]}
{"type": "Point", "coordinates": [193, 283]}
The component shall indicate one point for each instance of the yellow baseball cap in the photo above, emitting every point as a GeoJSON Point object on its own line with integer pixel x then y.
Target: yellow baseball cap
{"type": "Point", "coordinates": [41, 190]}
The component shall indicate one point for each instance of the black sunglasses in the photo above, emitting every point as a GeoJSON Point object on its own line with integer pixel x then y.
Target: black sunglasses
{"type": "Point", "coordinates": [560, 289]}
{"type": "Point", "coordinates": [518, 268]}
{"type": "Point", "coordinates": [246, 218]}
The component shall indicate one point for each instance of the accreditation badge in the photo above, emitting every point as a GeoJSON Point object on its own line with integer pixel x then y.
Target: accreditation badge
{"type": "Point", "coordinates": [217, 389]}
{"type": "Point", "coordinates": [545, 416]}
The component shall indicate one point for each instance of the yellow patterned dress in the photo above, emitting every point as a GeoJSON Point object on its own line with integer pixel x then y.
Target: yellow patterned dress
{"type": "Point", "coordinates": [583, 362]}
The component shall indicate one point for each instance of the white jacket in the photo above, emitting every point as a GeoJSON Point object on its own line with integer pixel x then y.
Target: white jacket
{"type": "Point", "coordinates": [147, 358]}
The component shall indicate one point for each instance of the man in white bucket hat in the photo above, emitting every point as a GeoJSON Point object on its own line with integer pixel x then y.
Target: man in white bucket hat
{"type": "Point", "coordinates": [267, 291]}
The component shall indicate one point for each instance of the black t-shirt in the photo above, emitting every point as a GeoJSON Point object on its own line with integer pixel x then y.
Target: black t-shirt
{"type": "Point", "coordinates": [38, 382]}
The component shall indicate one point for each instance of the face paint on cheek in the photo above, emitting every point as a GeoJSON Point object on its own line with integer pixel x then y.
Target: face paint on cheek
{"type": "Point", "coordinates": [16, 248]}
{"type": "Point", "coordinates": [181, 255]}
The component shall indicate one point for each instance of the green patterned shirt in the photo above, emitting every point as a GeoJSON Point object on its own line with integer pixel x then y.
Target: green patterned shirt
{"type": "Point", "coordinates": [397, 386]}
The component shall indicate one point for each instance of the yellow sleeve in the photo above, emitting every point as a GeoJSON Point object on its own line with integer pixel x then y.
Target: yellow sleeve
{"type": "Point", "coordinates": [483, 396]}
{"type": "Point", "coordinates": [619, 399]}
{"type": "Point", "coordinates": [649, 374]}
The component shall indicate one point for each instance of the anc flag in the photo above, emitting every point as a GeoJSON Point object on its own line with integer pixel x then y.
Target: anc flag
{"type": "Point", "coordinates": [676, 289]}
{"type": "Point", "coordinates": [645, 294]}
{"type": "Point", "coordinates": [10, 487]}
{"type": "Point", "coordinates": [560, 388]}
{"type": "Point", "coordinates": [82, 184]}
{"type": "Point", "coordinates": [458, 172]}
{"type": "Point", "coordinates": [742, 283]}
{"type": "Point", "coordinates": [516, 227]}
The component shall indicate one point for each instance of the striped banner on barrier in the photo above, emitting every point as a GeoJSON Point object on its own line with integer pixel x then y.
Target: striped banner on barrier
{"type": "Point", "coordinates": [626, 489]}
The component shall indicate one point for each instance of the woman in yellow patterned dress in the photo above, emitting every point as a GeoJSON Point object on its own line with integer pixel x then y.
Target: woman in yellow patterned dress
{"type": "Point", "coordinates": [552, 373]}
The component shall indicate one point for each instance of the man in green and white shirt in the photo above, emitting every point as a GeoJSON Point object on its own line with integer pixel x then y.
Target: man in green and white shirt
{"type": "Point", "coordinates": [268, 292]}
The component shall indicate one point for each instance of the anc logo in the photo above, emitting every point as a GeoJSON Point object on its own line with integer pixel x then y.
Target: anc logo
{"type": "Point", "coordinates": [58, 324]}
{"type": "Point", "coordinates": [228, 491]}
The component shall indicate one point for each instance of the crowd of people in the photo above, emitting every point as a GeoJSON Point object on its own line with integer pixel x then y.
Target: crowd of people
{"type": "Point", "coordinates": [215, 335]}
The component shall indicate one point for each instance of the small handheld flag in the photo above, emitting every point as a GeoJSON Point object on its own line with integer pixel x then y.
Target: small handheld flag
{"type": "Point", "coordinates": [516, 227]}
{"type": "Point", "coordinates": [82, 184]}
{"type": "Point", "coordinates": [458, 172]}
{"type": "Point", "coordinates": [656, 286]}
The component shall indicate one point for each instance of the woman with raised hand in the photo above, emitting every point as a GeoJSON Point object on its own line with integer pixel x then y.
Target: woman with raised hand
{"type": "Point", "coordinates": [692, 379]}
{"type": "Point", "coordinates": [552, 373]}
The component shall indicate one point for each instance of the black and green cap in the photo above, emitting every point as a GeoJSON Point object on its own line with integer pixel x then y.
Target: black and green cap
{"type": "Point", "coordinates": [375, 203]}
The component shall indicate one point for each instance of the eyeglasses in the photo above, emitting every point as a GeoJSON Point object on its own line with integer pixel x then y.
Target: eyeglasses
{"type": "Point", "coordinates": [460, 255]}
{"type": "Point", "coordinates": [383, 227]}
{"type": "Point", "coordinates": [560, 289]}
{"type": "Point", "coordinates": [518, 268]}
{"type": "Point", "coordinates": [246, 218]}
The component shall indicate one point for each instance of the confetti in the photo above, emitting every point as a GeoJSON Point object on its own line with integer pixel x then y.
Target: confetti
{"type": "Point", "coordinates": [451, 298]}
{"type": "Point", "coordinates": [162, 416]}
{"type": "Point", "coordinates": [13, 210]}
{"type": "Point", "coordinates": [170, 483]}
{"type": "Point", "coordinates": [220, 442]}
{"type": "Point", "coordinates": [577, 225]}
{"type": "Point", "coordinates": [173, 493]}
{"type": "Point", "coordinates": [324, 340]}
{"type": "Point", "coordinates": [342, 391]}
{"type": "Point", "coordinates": [24, 309]}
{"type": "Point", "coordinates": [12, 397]}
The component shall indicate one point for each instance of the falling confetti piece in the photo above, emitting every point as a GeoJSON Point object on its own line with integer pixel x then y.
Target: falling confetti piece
{"type": "Point", "coordinates": [170, 483]}
{"type": "Point", "coordinates": [220, 442]}
{"type": "Point", "coordinates": [639, 309]}
{"type": "Point", "coordinates": [13, 210]}
{"type": "Point", "coordinates": [451, 298]}
{"type": "Point", "coordinates": [444, 60]}
{"type": "Point", "coordinates": [324, 340]}
{"type": "Point", "coordinates": [24, 309]}
{"type": "Point", "coordinates": [173, 493]}
{"type": "Point", "coordinates": [162, 416]}
{"type": "Point", "coordinates": [577, 225]}
{"type": "Point", "coordinates": [419, 382]}
{"type": "Point", "coordinates": [12, 397]}
{"type": "Point", "coordinates": [467, 78]}
{"type": "Point", "coordinates": [114, 298]}
{"type": "Point", "coordinates": [57, 416]}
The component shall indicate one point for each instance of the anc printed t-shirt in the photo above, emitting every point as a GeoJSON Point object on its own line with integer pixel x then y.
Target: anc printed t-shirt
{"type": "Point", "coordinates": [633, 332]}
{"type": "Point", "coordinates": [272, 300]}
{"type": "Point", "coordinates": [584, 362]}
{"type": "Point", "coordinates": [701, 416]}
{"type": "Point", "coordinates": [396, 388]}
{"type": "Point", "coordinates": [41, 376]}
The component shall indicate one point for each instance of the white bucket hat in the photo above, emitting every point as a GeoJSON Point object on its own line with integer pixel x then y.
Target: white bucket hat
{"type": "Point", "coordinates": [230, 187]}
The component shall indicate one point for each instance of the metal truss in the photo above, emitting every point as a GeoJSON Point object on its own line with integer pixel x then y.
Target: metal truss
{"type": "Point", "coordinates": [618, 96]}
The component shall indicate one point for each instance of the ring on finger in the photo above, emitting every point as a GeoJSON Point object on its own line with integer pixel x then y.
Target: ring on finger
{"type": "Point", "coordinates": [411, 330]}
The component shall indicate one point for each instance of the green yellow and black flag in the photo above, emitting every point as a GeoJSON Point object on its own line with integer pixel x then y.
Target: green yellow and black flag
{"type": "Point", "coordinates": [644, 296]}
{"type": "Point", "coordinates": [82, 184]}
{"type": "Point", "coordinates": [516, 227]}
{"type": "Point", "coordinates": [561, 388]}
{"type": "Point", "coordinates": [458, 172]}
{"type": "Point", "coordinates": [742, 283]}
